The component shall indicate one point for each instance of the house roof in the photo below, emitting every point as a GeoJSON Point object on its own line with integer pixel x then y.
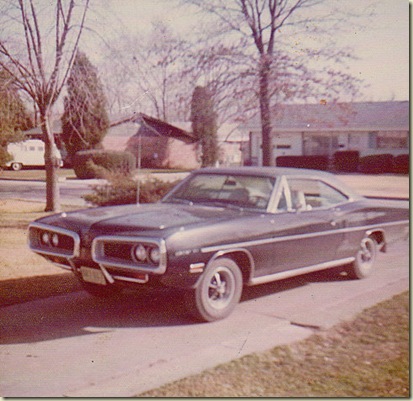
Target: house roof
{"type": "Point", "coordinates": [159, 127]}
{"type": "Point", "coordinates": [371, 116]}
{"type": "Point", "coordinates": [56, 128]}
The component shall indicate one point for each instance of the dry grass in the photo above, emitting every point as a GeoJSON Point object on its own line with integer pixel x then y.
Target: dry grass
{"type": "Point", "coordinates": [38, 174]}
{"type": "Point", "coordinates": [24, 275]}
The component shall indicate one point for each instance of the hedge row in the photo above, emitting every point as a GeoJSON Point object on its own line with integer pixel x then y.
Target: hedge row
{"type": "Point", "coordinates": [346, 161]}
{"type": "Point", "coordinates": [376, 164]}
{"type": "Point", "coordinates": [89, 163]}
{"type": "Point", "coordinates": [350, 161]}
{"type": "Point", "coordinates": [310, 162]}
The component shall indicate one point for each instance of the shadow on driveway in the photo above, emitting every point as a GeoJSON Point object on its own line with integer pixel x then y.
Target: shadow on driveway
{"type": "Point", "coordinates": [77, 313]}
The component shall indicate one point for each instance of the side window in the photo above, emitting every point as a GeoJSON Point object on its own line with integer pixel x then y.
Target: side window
{"type": "Point", "coordinates": [313, 194]}
{"type": "Point", "coordinates": [32, 148]}
{"type": "Point", "coordinates": [282, 203]}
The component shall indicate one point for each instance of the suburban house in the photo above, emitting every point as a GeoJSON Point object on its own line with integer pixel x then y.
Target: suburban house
{"type": "Point", "coordinates": [155, 143]}
{"type": "Point", "coordinates": [232, 142]}
{"type": "Point", "coordinates": [163, 145]}
{"type": "Point", "coordinates": [323, 129]}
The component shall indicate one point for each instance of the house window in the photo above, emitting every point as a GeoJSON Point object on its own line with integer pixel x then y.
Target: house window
{"type": "Point", "coordinates": [392, 140]}
{"type": "Point", "coordinates": [372, 140]}
{"type": "Point", "coordinates": [354, 140]}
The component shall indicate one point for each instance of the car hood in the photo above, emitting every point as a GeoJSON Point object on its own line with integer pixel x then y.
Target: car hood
{"type": "Point", "coordinates": [131, 219]}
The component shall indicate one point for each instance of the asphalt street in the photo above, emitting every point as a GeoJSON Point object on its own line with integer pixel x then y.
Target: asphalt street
{"type": "Point", "coordinates": [75, 345]}
{"type": "Point", "coordinates": [71, 192]}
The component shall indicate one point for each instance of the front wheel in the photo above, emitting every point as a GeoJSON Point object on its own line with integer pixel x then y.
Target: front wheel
{"type": "Point", "coordinates": [218, 291]}
{"type": "Point", "coordinates": [365, 259]}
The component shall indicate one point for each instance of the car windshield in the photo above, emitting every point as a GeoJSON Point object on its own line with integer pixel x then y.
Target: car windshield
{"type": "Point", "coordinates": [224, 190]}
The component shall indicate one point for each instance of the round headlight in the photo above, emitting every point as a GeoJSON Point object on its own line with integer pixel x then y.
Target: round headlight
{"type": "Point", "coordinates": [46, 238]}
{"type": "Point", "coordinates": [155, 255]}
{"type": "Point", "coordinates": [55, 240]}
{"type": "Point", "coordinates": [140, 253]}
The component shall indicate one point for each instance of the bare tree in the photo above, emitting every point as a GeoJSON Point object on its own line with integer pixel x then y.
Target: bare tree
{"type": "Point", "coordinates": [278, 72]}
{"type": "Point", "coordinates": [38, 44]}
{"type": "Point", "coordinates": [145, 74]}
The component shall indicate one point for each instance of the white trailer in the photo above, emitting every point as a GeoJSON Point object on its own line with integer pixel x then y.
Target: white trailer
{"type": "Point", "coordinates": [28, 153]}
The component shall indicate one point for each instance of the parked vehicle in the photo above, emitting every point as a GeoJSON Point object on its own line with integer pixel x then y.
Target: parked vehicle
{"type": "Point", "coordinates": [221, 229]}
{"type": "Point", "coordinates": [29, 153]}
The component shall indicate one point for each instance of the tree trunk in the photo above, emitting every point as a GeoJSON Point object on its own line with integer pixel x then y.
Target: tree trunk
{"type": "Point", "coordinates": [52, 165]}
{"type": "Point", "coordinates": [265, 111]}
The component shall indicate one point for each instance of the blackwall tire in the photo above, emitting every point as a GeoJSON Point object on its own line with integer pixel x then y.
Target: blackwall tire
{"type": "Point", "coordinates": [217, 292]}
{"type": "Point", "coordinates": [365, 259]}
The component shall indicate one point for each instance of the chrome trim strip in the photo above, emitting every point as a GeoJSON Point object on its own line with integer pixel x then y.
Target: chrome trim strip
{"type": "Point", "coordinates": [58, 230]}
{"type": "Point", "coordinates": [99, 258]}
{"type": "Point", "coordinates": [302, 270]}
{"type": "Point", "coordinates": [132, 280]}
{"type": "Point", "coordinates": [66, 267]}
{"type": "Point", "coordinates": [215, 248]}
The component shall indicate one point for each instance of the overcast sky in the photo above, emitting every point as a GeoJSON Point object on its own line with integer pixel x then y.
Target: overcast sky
{"type": "Point", "coordinates": [381, 44]}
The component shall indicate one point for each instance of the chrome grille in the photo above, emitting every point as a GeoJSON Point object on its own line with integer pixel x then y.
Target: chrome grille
{"type": "Point", "coordinates": [49, 240]}
{"type": "Point", "coordinates": [118, 251]}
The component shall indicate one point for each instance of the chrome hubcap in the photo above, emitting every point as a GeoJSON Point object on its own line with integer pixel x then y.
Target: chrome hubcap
{"type": "Point", "coordinates": [217, 287]}
{"type": "Point", "coordinates": [366, 253]}
{"type": "Point", "coordinates": [220, 288]}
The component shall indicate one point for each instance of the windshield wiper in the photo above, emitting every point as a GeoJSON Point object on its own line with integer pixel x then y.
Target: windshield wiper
{"type": "Point", "coordinates": [219, 203]}
{"type": "Point", "coordinates": [179, 200]}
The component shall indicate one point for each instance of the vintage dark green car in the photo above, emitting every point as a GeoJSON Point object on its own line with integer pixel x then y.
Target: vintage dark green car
{"type": "Point", "coordinates": [221, 229]}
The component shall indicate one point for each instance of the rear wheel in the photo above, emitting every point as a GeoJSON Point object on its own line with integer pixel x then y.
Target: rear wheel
{"type": "Point", "coordinates": [218, 291]}
{"type": "Point", "coordinates": [365, 259]}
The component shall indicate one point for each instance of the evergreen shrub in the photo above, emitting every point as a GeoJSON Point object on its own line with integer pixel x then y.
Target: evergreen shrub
{"type": "Point", "coordinates": [93, 163]}
{"type": "Point", "coordinates": [122, 190]}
